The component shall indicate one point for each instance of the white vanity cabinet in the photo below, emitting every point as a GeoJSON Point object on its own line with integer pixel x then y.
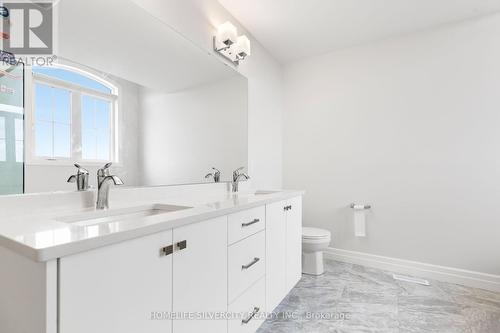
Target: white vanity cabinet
{"type": "Point", "coordinates": [116, 288]}
{"type": "Point", "coordinates": [219, 275]}
{"type": "Point", "coordinates": [283, 249]}
{"type": "Point", "coordinates": [134, 286]}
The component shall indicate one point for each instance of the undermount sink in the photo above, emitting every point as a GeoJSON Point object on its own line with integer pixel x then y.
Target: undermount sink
{"type": "Point", "coordinates": [116, 215]}
{"type": "Point", "coordinates": [263, 192]}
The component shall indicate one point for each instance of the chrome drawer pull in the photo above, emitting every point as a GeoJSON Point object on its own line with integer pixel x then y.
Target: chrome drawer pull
{"type": "Point", "coordinates": [181, 245]}
{"type": "Point", "coordinates": [254, 312]}
{"type": "Point", "coordinates": [254, 261]}
{"type": "Point", "coordinates": [250, 223]}
{"type": "Point", "coordinates": [167, 250]}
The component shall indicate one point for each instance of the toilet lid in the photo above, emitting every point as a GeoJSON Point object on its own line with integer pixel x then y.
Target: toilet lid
{"type": "Point", "coordinates": [313, 233]}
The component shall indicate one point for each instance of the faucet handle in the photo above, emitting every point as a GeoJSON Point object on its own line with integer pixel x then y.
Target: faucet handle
{"type": "Point", "coordinates": [239, 169]}
{"type": "Point", "coordinates": [104, 171]}
{"type": "Point", "coordinates": [81, 169]}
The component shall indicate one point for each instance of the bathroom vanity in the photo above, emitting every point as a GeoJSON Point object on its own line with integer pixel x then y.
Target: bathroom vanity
{"type": "Point", "coordinates": [190, 262]}
{"type": "Point", "coordinates": [163, 258]}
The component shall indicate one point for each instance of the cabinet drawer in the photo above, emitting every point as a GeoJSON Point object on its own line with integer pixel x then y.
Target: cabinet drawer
{"type": "Point", "coordinates": [248, 309]}
{"type": "Point", "coordinates": [246, 264]}
{"type": "Point", "coordinates": [246, 223]}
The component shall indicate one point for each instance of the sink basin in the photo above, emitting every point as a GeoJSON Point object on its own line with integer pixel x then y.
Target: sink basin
{"type": "Point", "coordinates": [116, 215]}
{"type": "Point", "coordinates": [262, 192]}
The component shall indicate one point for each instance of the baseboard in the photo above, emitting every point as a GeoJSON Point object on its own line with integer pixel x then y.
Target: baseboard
{"type": "Point", "coordinates": [440, 273]}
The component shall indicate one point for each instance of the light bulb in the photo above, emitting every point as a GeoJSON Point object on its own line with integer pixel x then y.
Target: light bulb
{"type": "Point", "coordinates": [227, 34]}
{"type": "Point", "coordinates": [242, 47]}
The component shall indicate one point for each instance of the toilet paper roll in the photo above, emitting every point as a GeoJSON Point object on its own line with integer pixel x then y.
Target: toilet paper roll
{"type": "Point", "coordinates": [359, 223]}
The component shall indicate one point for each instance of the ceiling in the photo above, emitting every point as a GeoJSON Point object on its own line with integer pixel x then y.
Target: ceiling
{"type": "Point", "coordinates": [294, 29]}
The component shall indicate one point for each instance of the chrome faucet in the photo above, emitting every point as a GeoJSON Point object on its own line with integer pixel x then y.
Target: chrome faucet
{"type": "Point", "coordinates": [104, 181]}
{"type": "Point", "coordinates": [237, 175]}
{"type": "Point", "coordinates": [81, 178]}
{"type": "Point", "coordinates": [215, 175]}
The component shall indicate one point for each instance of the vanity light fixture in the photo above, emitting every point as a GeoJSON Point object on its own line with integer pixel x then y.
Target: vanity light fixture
{"type": "Point", "coordinates": [229, 45]}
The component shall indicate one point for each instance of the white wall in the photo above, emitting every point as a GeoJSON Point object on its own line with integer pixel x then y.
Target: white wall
{"type": "Point", "coordinates": [186, 133]}
{"type": "Point", "coordinates": [197, 20]}
{"type": "Point", "coordinates": [412, 126]}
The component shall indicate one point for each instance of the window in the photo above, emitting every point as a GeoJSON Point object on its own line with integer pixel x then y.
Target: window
{"type": "Point", "coordinates": [52, 121]}
{"type": "Point", "coordinates": [95, 128]}
{"type": "Point", "coordinates": [73, 116]}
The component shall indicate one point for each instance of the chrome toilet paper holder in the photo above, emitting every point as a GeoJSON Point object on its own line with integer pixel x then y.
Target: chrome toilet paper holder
{"type": "Point", "coordinates": [359, 207]}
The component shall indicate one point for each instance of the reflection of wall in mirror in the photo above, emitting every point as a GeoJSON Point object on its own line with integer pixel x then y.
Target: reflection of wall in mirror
{"type": "Point", "coordinates": [187, 133]}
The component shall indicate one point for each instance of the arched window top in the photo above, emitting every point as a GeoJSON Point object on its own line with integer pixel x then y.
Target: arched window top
{"type": "Point", "coordinates": [74, 114]}
{"type": "Point", "coordinates": [76, 77]}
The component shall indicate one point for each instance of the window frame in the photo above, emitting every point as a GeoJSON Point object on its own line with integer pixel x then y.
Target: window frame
{"type": "Point", "coordinates": [76, 92]}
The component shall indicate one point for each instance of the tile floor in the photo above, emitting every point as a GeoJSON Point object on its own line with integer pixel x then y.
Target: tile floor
{"type": "Point", "coordinates": [353, 298]}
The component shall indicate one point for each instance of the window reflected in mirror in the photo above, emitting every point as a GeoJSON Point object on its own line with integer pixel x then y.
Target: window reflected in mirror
{"type": "Point", "coordinates": [72, 115]}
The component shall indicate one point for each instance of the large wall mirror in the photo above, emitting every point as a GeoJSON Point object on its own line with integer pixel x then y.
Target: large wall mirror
{"type": "Point", "coordinates": [125, 89]}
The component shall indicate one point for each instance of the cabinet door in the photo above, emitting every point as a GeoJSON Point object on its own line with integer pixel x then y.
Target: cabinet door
{"type": "Point", "coordinates": [118, 288]}
{"type": "Point", "coordinates": [200, 275]}
{"type": "Point", "coordinates": [275, 254]}
{"type": "Point", "coordinates": [293, 242]}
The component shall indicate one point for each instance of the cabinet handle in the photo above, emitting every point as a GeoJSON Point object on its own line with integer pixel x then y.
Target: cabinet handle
{"type": "Point", "coordinates": [250, 223]}
{"type": "Point", "coordinates": [254, 312]}
{"type": "Point", "coordinates": [167, 250]}
{"type": "Point", "coordinates": [290, 207]}
{"type": "Point", "coordinates": [181, 245]}
{"type": "Point", "coordinates": [287, 207]}
{"type": "Point", "coordinates": [254, 261]}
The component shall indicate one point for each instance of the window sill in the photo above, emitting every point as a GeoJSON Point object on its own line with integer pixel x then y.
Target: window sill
{"type": "Point", "coordinates": [68, 163]}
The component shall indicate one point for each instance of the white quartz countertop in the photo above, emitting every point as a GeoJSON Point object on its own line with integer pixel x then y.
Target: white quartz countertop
{"type": "Point", "coordinates": [45, 236]}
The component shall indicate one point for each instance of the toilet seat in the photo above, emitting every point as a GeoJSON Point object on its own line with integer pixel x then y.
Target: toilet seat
{"type": "Point", "coordinates": [315, 234]}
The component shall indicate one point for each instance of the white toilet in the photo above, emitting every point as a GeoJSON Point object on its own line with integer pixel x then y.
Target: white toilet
{"type": "Point", "coordinates": [314, 241]}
